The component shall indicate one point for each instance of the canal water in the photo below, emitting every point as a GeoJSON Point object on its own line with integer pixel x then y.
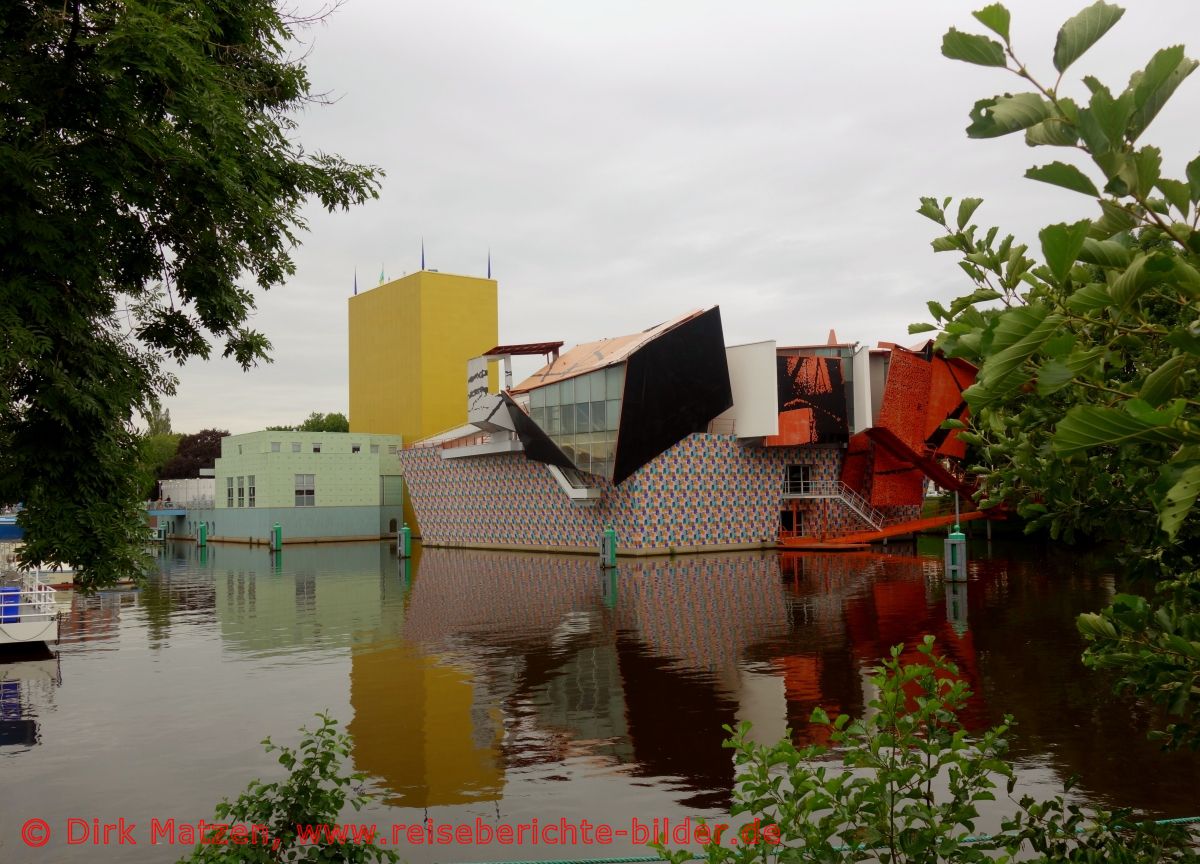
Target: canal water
{"type": "Point", "coordinates": [507, 687]}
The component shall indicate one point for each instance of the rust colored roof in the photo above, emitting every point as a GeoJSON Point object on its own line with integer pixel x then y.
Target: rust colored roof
{"type": "Point", "coordinates": [591, 356]}
{"type": "Point", "coordinates": [527, 348]}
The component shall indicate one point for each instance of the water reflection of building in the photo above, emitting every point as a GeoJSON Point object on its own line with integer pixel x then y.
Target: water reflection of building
{"type": "Point", "coordinates": [26, 688]}
{"type": "Point", "coordinates": [506, 660]}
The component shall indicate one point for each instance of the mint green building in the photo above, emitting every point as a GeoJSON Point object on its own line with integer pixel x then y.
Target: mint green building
{"type": "Point", "coordinates": [317, 485]}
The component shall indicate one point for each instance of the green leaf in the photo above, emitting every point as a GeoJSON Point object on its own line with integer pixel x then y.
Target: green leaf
{"type": "Point", "coordinates": [1053, 375]}
{"type": "Point", "coordinates": [979, 295]}
{"type": "Point", "coordinates": [922, 327]}
{"type": "Point", "coordinates": [966, 207]}
{"type": "Point", "coordinates": [1179, 500]}
{"type": "Point", "coordinates": [1149, 168]}
{"type": "Point", "coordinates": [1000, 115]}
{"type": "Point", "coordinates": [1066, 176]}
{"type": "Point", "coordinates": [949, 243]}
{"type": "Point", "coordinates": [1193, 176]}
{"type": "Point", "coordinates": [972, 49]}
{"type": "Point", "coordinates": [1163, 383]}
{"type": "Point", "coordinates": [994, 17]}
{"type": "Point", "coordinates": [1129, 285]}
{"type": "Point", "coordinates": [1115, 219]}
{"type": "Point", "coordinates": [1176, 192]}
{"type": "Point", "coordinates": [1088, 426]}
{"type": "Point", "coordinates": [1082, 31]}
{"type": "Point", "coordinates": [1105, 253]}
{"type": "Point", "coordinates": [930, 209]}
{"type": "Point", "coordinates": [937, 310]}
{"type": "Point", "coordinates": [1053, 132]}
{"type": "Point", "coordinates": [1061, 244]}
{"type": "Point", "coordinates": [1153, 86]}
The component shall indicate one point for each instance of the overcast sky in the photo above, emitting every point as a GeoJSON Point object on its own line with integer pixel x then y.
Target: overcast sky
{"type": "Point", "coordinates": [628, 161]}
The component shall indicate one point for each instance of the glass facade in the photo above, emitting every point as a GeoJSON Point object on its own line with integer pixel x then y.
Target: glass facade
{"type": "Point", "coordinates": [582, 415]}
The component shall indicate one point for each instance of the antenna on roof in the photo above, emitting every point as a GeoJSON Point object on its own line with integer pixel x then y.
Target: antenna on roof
{"type": "Point", "coordinates": [489, 262]}
{"type": "Point", "coordinates": [422, 253]}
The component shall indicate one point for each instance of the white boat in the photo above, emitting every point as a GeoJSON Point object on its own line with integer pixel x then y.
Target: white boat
{"type": "Point", "coordinates": [28, 610]}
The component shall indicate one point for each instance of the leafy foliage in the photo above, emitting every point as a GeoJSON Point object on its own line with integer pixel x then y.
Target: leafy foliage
{"type": "Point", "coordinates": [904, 783]}
{"type": "Point", "coordinates": [195, 451]}
{"type": "Point", "coordinates": [318, 422]}
{"type": "Point", "coordinates": [1084, 411]}
{"type": "Point", "coordinates": [148, 169]}
{"type": "Point", "coordinates": [314, 794]}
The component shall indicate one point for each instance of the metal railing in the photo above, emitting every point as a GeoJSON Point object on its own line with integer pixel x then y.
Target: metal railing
{"type": "Point", "coordinates": [837, 490]}
{"type": "Point", "coordinates": [36, 599]}
{"type": "Point", "coordinates": [189, 504]}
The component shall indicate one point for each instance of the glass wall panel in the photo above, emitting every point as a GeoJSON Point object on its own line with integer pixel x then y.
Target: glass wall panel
{"type": "Point", "coordinates": [552, 394]}
{"type": "Point", "coordinates": [537, 398]}
{"type": "Point", "coordinates": [612, 414]}
{"type": "Point", "coordinates": [568, 420]}
{"type": "Point", "coordinates": [554, 426]}
{"type": "Point", "coordinates": [614, 377]}
{"type": "Point", "coordinates": [566, 391]}
{"type": "Point", "coordinates": [597, 417]}
{"type": "Point", "coordinates": [582, 418]}
{"type": "Point", "coordinates": [538, 415]}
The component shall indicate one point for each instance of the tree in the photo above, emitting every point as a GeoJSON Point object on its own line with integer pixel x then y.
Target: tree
{"type": "Point", "coordinates": [149, 175]}
{"type": "Point", "coordinates": [195, 451]}
{"type": "Point", "coordinates": [155, 451]}
{"type": "Point", "coordinates": [1084, 415]}
{"type": "Point", "coordinates": [317, 422]}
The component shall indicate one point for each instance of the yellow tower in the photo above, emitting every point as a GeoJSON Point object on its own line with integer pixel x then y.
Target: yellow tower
{"type": "Point", "coordinates": [410, 340]}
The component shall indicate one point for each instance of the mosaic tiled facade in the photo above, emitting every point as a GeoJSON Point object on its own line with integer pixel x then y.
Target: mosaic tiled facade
{"type": "Point", "coordinates": [707, 490]}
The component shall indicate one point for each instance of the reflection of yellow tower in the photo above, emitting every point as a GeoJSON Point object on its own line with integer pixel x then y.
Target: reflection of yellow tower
{"type": "Point", "coordinates": [410, 340]}
{"type": "Point", "coordinates": [422, 729]}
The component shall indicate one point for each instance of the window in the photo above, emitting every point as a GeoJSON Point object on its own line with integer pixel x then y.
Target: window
{"type": "Point", "coordinates": [295, 446]}
{"type": "Point", "coordinates": [355, 448]}
{"type": "Point", "coordinates": [250, 491]}
{"type": "Point", "coordinates": [241, 491]}
{"type": "Point", "coordinates": [239, 449]}
{"type": "Point", "coordinates": [275, 446]}
{"type": "Point", "coordinates": [228, 491]}
{"type": "Point", "coordinates": [392, 448]}
{"type": "Point", "coordinates": [316, 446]}
{"type": "Point", "coordinates": [374, 448]}
{"type": "Point", "coordinates": [306, 490]}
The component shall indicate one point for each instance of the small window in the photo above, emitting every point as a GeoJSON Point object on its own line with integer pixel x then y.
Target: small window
{"type": "Point", "coordinates": [374, 448]}
{"type": "Point", "coordinates": [275, 446]}
{"type": "Point", "coordinates": [295, 446]}
{"type": "Point", "coordinates": [316, 446]}
{"type": "Point", "coordinates": [392, 448]}
{"type": "Point", "coordinates": [241, 491]}
{"type": "Point", "coordinates": [228, 491]}
{"type": "Point", "coordinates": [355, 448]}
{"type": "Point", "coordinates": [250, 491]}
{"type": "Point", "coordinates": [306, 490]}
{"type": "Point", "coordinates": [239, 449]}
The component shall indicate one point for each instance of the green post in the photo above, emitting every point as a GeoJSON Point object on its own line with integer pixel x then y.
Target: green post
{"type": "Point", "coordinates": [277, 537]}
{"type": "Point", "coordinates": [608, 548]}
{"type": "Point", "coordinates": [277, 560]}
{"type": "Point", "coordinates": [608, 590]}
{"type": "Point", "coordinates": [956, 556]}
{"type": "Point", "coordinates": [404, 541]}
{"type": "Point", "coordinates": [203, 538]}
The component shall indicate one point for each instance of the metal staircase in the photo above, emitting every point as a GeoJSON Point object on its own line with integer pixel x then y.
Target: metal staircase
{"type": "Point", "coordinates": [838, 491]}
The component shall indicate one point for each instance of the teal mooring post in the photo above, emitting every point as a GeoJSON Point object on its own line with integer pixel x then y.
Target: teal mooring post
{"type": "Point", "coordinates": [202, 539]}
{"type": "Point", "coordinates": [608, 548]}
{"type": "Point", "coordinates": [956, 556]}
{"type": "Point", "coordinates": [276, 537]}
{"type": "Point", "coordinates": [404, 541]}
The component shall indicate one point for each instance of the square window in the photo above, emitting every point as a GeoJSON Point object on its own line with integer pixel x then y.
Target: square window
{"type": "Point", "coordinates": [295, 446]}
{"type": "Point", "coordinates": [355, 448]}
{"type": "Point", "coordinates": [306, 490]}
{"type": "Point", "coordinates": [374, 448]}
{"type": "Point", "coordinates": [275, 446]}
{"type": "Point", "coordinates": [393, 448]}
{"type": "Point", "coordinates": [316, 446]}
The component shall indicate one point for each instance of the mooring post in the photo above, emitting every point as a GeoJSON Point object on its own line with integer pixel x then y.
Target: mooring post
{"type": "Point", "coordinates": [608, 548]}
{"type": "Point", "coordinates": [202, 539]}
{"type": "Point", "coordinates": [404, 541]}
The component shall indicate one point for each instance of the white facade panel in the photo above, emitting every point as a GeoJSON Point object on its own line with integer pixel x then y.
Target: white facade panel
{"type": "Point", "coordinates": [753, 379]}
